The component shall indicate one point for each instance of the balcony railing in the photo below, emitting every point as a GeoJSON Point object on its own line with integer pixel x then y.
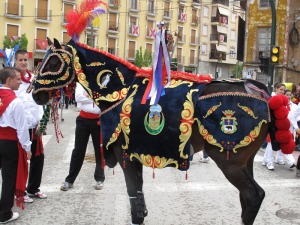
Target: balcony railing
{"type": "Point", "coordinates": [214, 54]}
{"type": "Point", "coordinates": [193, 60]}
{"type": "Point", "coordinates": [194, 20]}
{"type": "Point", "coordinates": [112, 26]}
{"type": "Point", "coordinates": [167, 14]}
{"type": "Point", "coordinates": [223, 2]}
{"type": "Point", "coordinates": [194, 40]}
{"type": "Point", "coordinates": [222, 20]}
{"type": "Point", "coordinates": [113, 51]}
{"type": "Point", "coordinates": [43, 15]}
{"type": "Point", "coordinates": [218, 38]}
{"type": "Point", "coordinates": [180, 59]}
{"type": "Point", "coordinates": [131, 54]}
{"type": "Point", "coordinates": [114, 4]}
{"type": "Point", "coordinates": [152, 10]}
{"type": "Point", "coordinates": [40, 44]}
{"type": "Point", "coordinates": [13, 10]}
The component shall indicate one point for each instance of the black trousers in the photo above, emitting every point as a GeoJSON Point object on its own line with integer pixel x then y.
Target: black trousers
{"type": "Point", "coordinates": [9, 163]}
{"type": "Point", "coordinates": [85, 128]}
{"type": "Point", "coordinates": [35, 169]}
{"type": "Point", "coordinates": [298, 163]}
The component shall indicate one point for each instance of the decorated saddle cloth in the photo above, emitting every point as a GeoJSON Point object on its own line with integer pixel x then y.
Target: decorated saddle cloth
{"type": "Point", "coordinates": [157, 136]}
{"type": "Point", "coordinates": [231, 120]}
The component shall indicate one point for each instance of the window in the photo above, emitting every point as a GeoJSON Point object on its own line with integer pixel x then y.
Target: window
{"type": "Point", "coordinates": [264, 3]}
{"type": "Point", "coordinates": [264, 41]}
{"type": "Point", "coordinates": [232, 35]}
{"type": "Point", "coordinates": [112, 25]}
{"type": "Point", "coordinates": [150, 29]}
{"type": "Point", "coordinates": [233, 17]}
{"type": "Point", "coordinates": [134, 4]}
{"type": "Point", "coordinates": [66, 38]}
{"type": "Point", "coordinates": [205, 11]}
{"type": "Point", "coordinates": [204, 30]}
{"type": "Point", "coordinates": [194, 16]}
{"type": "Point", "coordinates": [193, 36]}
{"type": "Point", "coordinates": [149, 48]}
{"type": "Point", "coordinates": [133, 29]}
{"type": "Point", "coordinates": [42, 10]}
{"type": "Point", "coordinates": [151, 8]}
{"type": "Point", "coordinates": [112, 46]}
{"type": "Point", "coordinates": [131, 50]}
{"type": "Point", "coordinates": [180, 11]}
{"type": "Point", "coordinates": [12, 30]}
{"type": "Point", "coordinates": [91, 41]}
{"type": "Point", "coordinates": [180, 34]}
{"type": "Point", "coordinates": [67, 8]}
{"type": "Point", "coordinates": [203, 49]}
{"type": "Point", "coordinates": [192, 57]}
{"type": "Point", "coordinates": [232, 52]}
{"type": "Point", "coordinates": [41, 42]}
{"type": "Point", "coordinates": [13, 7]}
{"type": "Point", "coordinates": [167, 9]}
{"type": "Point", "coordinates": [179, 55]}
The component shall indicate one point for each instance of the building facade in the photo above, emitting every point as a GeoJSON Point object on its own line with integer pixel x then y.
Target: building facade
{"type": "Point", "coordinates": [205, 32]}
{"type": "Point", "coordinates": [258, 41]}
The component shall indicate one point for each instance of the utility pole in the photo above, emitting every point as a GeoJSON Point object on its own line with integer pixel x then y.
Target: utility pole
{"type": "Point", "coordinates": [273, 40]}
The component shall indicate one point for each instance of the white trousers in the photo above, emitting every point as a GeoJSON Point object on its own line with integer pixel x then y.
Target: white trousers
{"type": "Point", "coordinates": [288, 157]}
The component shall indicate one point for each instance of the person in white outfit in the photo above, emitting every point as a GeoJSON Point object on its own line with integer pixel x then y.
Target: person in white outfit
{"type": "Point", "coordinates": [268, 160]}
{"type": "Point", "coordinates": [293, 128]}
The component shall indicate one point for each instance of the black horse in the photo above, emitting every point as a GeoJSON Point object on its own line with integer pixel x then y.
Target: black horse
{"type": "Point", "coordinates": [111, 82]}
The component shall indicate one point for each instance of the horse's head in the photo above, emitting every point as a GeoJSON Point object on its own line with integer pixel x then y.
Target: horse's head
{"type": "Point", "coordinates": [56, 71]}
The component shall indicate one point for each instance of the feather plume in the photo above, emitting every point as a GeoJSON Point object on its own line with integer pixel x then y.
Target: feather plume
{"type": "Point", "coordinates": [77, 20]}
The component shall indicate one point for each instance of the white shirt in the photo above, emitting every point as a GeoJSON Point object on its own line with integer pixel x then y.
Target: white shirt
{"type": "Point", "coordinates": [292, 117]}
{"type": "Point", "coordinates": [85, 103]}
{"type": "Point", "coordinates": [33, 111]}
{"type": "Point", "coordinates": [14, 117]}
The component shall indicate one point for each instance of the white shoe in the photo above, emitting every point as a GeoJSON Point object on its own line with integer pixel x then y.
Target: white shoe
{"type": "Point", "coordinates": [99, 185]}
{"type": "Point", "coordinates": [14, 217]}
{"type": "Point", "coordinates": [204, 160]}
{"type": "Point", "coordinates": [279, 162]}
{"type": "Point", "coordinates": [27, 199]}
{"type": "Point", "coordinates": [263, 163]}
{"type": "Point", "coordinates": [270, 166]}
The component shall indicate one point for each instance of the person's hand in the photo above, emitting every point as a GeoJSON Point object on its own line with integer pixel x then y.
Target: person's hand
{"type": "Point", "coordinates": [28, 155]}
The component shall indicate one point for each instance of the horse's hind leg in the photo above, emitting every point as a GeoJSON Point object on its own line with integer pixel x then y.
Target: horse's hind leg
{"type": "Point", "coordinates": [251, 194]}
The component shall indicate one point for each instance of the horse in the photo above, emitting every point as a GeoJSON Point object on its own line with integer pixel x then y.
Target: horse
{"type": "Point", "coordinates": [112, 83]}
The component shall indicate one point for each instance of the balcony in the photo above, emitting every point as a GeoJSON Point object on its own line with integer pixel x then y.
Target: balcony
{"type": "Point", "coordinates": [181, 39]}
{"type": "Point", "coordinates": [14, 11]}
{"type": "Point", "coordinates": [43, 15]}
{"type": "Point", "coordinates": [180, 59]}
{"type": "Point", "coordinates": [214, 54]}
{"type": "Point", "coordinates": [131, 54]}
{"type": "Point", "coordinates": [194, 40]}
{"type": "Point", "coordinates": [133, 7]}
{"type": "Point", "coordinates": [40, 45]}
{"type": "Point", "coordinates": [223, 2]}
{"type": "Point", "coordinates": [167, 14]}
{"type": "Point", "coordinates": [114, 4]}
{"type": "Point", "coordinates": [134, 30]}
{"type": "Point", "coordinates": [195, 20]}
{"type": "Point", "coordinates": [193, 60]}
{"type": "Point", "coordinates": [151, 11]}
{"type": "Point", "coordinates": [113, 27]}
{"type": "Point", "coordinates": [181, 17]}
{"type": "Point", "coordinates": [220, 38]}
{"type": "Point", "coordinates": [113, 51]}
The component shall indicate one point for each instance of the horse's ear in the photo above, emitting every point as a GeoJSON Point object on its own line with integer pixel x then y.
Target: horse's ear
{"type": "Point", "coordinates": [49, 41]}
{"type": "Point", "coordinates": [56, 44]}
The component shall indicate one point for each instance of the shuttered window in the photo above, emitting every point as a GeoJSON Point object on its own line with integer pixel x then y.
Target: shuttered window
{"type": "Point", "coordinates": [149, 48]}
{"type": "Point", "coordinates": [42, 10]}
{"type": "Point", "coordinates": [113, 21]}
{"type": "Point", "coordinates": [66, 38]}
{"type": "Point", "coordinates": [131, 50]}
{"type": "Point", "coordinates": [67, 8]}
{"type": "Point", "coordinates": [12, 30]}
{"type": "Point", "coordinates": [13, 7]}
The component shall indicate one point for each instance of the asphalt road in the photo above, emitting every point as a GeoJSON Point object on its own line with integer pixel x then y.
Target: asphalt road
{"type": "Point", "coordinates": [206, 197]}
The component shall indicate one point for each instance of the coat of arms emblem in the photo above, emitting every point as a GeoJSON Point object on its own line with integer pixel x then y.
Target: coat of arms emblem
{"type": "Point", "coordinates": [154, 120]}
{"type": "Point", "coordinates": [228, 122]}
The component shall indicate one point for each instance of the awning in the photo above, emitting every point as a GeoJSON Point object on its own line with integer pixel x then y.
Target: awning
{"type": "Point", "coordinates": [222, 29]}
{"type": "Point", "coordinates": [221, 48]}
{"type": "Point", "coordinates": [223, 11]}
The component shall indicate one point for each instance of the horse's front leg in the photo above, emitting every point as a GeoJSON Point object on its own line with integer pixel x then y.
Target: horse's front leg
{"type": "Point", "coordinates": [133, 172]}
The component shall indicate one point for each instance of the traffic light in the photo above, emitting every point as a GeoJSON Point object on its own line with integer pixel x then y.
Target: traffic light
{"type": "Point", "coordinates": [275, 55]}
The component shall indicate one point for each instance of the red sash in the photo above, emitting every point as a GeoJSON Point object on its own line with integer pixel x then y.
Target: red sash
{"type": "Point", "coordinates": [8, 133]}
{"type": "Point", "coordinates": [88, 115]}
{"type": "Point", "coordinates": [6, 97]}
{"type": "Point", "coordinates": [25, 79]}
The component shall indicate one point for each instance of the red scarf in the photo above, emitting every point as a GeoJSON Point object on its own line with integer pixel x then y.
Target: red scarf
{"type": "Point", "coordinates": [39, 143]}
{"type": "Point", "coordinates": [26, 79]}
{"type": "Point", "coordinates": [8, 133]}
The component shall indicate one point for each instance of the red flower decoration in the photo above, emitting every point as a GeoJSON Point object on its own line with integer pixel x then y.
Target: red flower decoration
{"type": "Point", "coordinates": [283, 124]}
{"type": "Point", "coordinates": [285, 100]}
{"type": "Point", "coordinates": [275, 102]}
{"type": "Point", "coordinates": [288, 148]}
{"type": "Point", "coordinates": [281, 113]}
{"type": "Point", "coordinates": [283, 136]}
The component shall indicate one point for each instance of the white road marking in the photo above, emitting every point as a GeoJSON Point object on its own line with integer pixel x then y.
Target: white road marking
{"type": "Point", "coordinates": [69, 149]}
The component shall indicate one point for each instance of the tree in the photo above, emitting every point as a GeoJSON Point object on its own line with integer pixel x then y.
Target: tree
{"type": "Point", "coordinates": [237, 71]}
{"type": "Point", "coordinates": [143, 60]}
{"type": "Point", "coordinates": [9, 43]}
